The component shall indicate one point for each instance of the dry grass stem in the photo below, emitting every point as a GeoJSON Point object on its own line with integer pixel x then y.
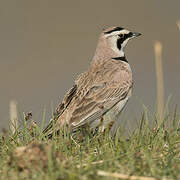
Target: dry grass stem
{"type": "Point", "coordinates": [159, 77]}
{"type": "Point", "coordinates": [124, 176]}
{"type": "Point", "coordinates": [178, 24]}
{"type": "Point", "coordinates": [13, 116]}
{"type": "Point", "coordinates": [93, 163]}
{"type": "Point", "coordinates": [75, 142]}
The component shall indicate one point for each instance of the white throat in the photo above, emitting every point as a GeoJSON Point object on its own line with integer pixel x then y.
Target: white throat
{"type": "Point", "coordinates": [121, 53]}
{"type": "Point", "coordinates": [113, 44]}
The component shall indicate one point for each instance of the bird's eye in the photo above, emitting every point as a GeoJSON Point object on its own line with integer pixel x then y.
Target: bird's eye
{"type": "Point", "coordinates": [121, 35]}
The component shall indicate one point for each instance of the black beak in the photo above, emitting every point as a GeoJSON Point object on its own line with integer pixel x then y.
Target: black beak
{"type": "Point", "coordinates": [136, 34]}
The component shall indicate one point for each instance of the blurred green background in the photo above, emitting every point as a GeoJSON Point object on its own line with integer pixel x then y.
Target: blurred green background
{"type": "Point", "coordinates": [45, 44]}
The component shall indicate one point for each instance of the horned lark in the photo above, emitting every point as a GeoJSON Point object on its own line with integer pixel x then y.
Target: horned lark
{"type": "Point", "coordinates": [99, 94]}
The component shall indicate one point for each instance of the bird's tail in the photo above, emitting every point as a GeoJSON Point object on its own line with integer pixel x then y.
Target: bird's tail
{"type": "Point", "coordinates": [51, 127]}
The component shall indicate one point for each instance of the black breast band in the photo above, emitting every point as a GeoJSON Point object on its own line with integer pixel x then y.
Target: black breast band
{"type": "Point", "coordinates": [123, 58]}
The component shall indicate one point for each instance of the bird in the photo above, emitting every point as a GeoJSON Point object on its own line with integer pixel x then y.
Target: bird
{"type": "Point", "coordinates": [99, 94]}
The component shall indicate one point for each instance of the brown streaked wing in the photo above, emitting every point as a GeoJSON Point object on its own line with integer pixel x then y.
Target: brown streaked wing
{"type": "Point", "coordinates": [98, 101]}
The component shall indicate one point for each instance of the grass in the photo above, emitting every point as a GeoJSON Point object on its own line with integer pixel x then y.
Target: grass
{"type": "Point", "coordinates": [148, 152]}
{"type": "Point", "coordinates": [151, 152]}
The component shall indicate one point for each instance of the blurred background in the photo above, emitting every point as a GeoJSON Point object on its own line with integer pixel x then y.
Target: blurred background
{"type": "Point", "coordinates": [45, 44]}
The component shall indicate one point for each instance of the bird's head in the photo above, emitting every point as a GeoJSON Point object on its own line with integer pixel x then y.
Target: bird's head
{"type": "Point", "coordinates": [117, 38]}
{"type": "Point", "coordinates": [112, 42]}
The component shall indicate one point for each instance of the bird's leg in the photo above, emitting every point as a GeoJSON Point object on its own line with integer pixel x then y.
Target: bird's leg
{"type": "Point", "coordinates": [110, 125]}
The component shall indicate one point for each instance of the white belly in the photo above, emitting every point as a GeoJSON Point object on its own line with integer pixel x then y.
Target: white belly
{"type": "Point", "coordinates": [111, 116]}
